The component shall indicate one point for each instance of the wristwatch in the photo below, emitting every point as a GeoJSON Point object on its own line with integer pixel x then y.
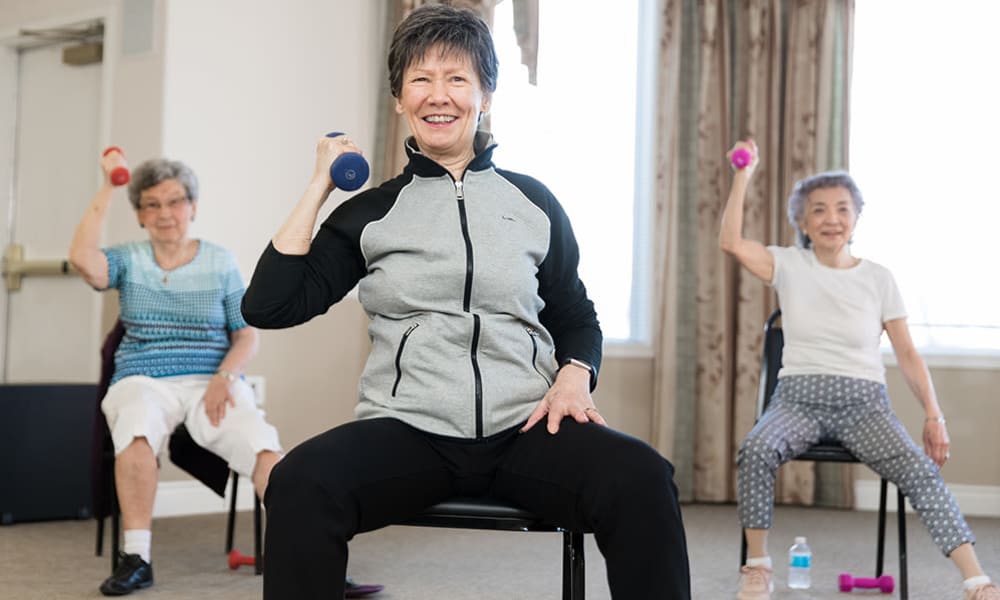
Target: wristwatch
{"type": "Point", "coordinates": [577, 363]}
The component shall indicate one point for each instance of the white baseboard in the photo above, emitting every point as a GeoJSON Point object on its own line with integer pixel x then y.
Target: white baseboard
{"type": "Point", "coordinates": [974, 500]}
{"type": "Point", "coordinates": [180, 498]}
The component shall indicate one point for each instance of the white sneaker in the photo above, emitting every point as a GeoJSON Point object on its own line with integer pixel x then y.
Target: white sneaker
{"type": "Point", "coordinates": [756, 584]}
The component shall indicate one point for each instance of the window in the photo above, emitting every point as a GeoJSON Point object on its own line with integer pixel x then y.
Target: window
{"type": "Point", "coordinates": [925, 143]}
{"type": "Point", "coordinates": [576, 131]}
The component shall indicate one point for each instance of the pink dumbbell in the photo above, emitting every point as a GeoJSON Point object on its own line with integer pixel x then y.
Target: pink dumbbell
{"type": "Point", "coordinates": [885, 583]}
{"type": "Point", "coordinates": [741, 158]}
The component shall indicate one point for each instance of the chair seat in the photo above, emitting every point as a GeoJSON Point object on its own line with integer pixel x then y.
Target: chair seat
{"type": "Point", "coordinates": [481, 513]}
{"type": "Point", "coordinates": [829, 451]}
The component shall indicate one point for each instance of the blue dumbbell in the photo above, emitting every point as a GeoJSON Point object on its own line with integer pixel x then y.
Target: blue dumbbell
{"type": "Point", "coordinates": [349, 171]}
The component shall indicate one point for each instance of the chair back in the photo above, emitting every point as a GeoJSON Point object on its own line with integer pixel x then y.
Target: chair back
{"type": "Point", "coordinates": [770, 364]}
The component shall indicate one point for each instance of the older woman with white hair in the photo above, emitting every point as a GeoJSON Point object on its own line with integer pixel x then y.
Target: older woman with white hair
{"type": "Point", "coordinates": [831, 386]}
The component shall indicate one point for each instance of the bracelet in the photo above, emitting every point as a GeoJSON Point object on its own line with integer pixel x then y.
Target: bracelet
{"type": "Point", "coordinates": [230, 377]}
{"type": "Point", "coordinates": [938, 419]}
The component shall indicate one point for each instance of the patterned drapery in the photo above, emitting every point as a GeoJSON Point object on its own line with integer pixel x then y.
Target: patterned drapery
{"type": "Point", "coordinates": [775, 71]}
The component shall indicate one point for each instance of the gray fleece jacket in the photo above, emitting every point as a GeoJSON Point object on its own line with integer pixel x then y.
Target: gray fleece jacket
{"type": "Point", "coordinates": [471, 287]}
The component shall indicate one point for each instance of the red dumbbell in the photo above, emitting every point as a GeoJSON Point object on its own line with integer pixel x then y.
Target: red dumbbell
{"type": "Point", "coordinates": [119, 175]}
{"type": "Point", "coordinates": [885, 583]}
{"type": "Point", "coordinates": [237, 560]}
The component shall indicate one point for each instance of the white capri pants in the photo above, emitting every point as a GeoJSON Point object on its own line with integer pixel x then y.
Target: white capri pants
{"type": "Point", "coordinates": [152, 407]}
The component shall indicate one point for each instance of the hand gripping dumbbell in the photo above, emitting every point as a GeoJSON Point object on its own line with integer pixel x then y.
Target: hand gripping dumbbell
{"type": "Point", "coordinates": [119, 175]}
{"type": "Point", "coordinates": [237, 560]}
{"type": "Point", "coordinates": [885, 583]}
{"type": "Point", "coordinates": [741, 157]}
{"type": "Point", "coordinates": [349, 171]}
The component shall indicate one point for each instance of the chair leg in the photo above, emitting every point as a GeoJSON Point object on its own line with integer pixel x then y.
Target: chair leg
{"type": "Point", "coordinates": [574, 575]}
{"type": "Point", "coordinates": [231, 522]}
{"type": "Point", "coordinates": [100, 537]}
{"type": "Point", "coordinates": [258, 559]}
{"type": "Point", "coordinates": [903, 582]}
{"type": "Point", "coordinates": [880, 555]}
{"type": "Point", "coordinates": [743, 548]}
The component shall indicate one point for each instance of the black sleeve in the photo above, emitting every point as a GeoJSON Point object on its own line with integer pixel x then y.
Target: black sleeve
{"type": "Point", "coordinates": [569, 314]}
{"type": "Point", "coordinates": [287, 290]}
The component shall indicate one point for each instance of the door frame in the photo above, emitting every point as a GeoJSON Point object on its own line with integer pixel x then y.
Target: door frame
{"type": "Point", "coordinates": [12, 45]}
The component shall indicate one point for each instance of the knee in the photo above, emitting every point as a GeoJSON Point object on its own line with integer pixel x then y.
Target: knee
{"type": "Point", "coordinates": [755, 451]}
{"type": "Point", "coordinates": [648, 478]}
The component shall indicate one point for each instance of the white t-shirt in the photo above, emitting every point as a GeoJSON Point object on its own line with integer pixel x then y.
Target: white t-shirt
{"type": "Point", "coordinates": [833, 318]}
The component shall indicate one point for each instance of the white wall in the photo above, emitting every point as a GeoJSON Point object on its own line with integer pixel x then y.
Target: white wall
{"type": "Point", "coordinates": [248, 88]}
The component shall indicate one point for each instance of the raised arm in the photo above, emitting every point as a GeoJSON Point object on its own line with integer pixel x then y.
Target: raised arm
{"type": "Point", "coordinates": [295, 235]}
{"type": "Point", "coordinates": [299, 276]}
{"type": "Point", "coordinates": [918, 379]}
{"type": "Point", "coordinates": [752, 254]}
{"type": "Point", "coordinates": [85, 250]}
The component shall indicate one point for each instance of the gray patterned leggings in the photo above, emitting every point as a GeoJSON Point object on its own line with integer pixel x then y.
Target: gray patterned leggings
{"type": "Point", "coordinates": [807, 408]}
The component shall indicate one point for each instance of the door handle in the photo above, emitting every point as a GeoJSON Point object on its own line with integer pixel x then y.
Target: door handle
{"type": "Point", "coordinates": [16, 267]}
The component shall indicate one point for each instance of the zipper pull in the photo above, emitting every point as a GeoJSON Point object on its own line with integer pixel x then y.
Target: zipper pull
{"type": "Point", "coordinates": [459, 191]}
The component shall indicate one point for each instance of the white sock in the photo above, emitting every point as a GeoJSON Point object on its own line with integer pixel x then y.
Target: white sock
{"type": "Point", "coordinates": [973, 582]}
{"type": "Point", "coordinates": [760, 561]}
{"type": "Point", "coordinates": [137, 541]}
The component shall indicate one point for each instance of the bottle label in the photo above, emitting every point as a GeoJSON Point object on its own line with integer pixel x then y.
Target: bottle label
{"type": "Point", "coordinates": [801, 561]}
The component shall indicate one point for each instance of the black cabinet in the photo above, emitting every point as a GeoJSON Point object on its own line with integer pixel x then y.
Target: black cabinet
{"type": "Point", "coordinates": [46, 432]}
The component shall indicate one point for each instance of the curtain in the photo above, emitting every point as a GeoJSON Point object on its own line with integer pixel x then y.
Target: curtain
{"type": "Point", "coordinates": [391, 130]}
{"type": "Point", "coordinates": [776, 71]}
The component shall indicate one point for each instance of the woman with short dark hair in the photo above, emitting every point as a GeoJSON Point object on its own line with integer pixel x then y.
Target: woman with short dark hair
{"type": "Point", "coordinates": [481, 329]}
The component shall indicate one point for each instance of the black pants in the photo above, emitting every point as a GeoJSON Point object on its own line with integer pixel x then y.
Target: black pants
{"type": "Point", "coordinates": [367, 474]}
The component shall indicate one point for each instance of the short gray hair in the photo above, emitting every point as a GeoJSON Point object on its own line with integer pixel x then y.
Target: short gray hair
{"type": "Point", "coordinates": [457, 30]}
{"type": "Point", "coordinates": [800, 196]}
{"type": "Point", "coordinates": [156, 171]}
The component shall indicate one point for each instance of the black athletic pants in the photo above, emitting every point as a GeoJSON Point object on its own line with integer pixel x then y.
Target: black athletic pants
{"type": "Point", "coordinates": [367, 474]}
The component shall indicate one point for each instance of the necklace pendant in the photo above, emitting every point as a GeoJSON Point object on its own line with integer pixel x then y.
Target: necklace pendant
{"type": "Point", "coordinates": [165, 277]}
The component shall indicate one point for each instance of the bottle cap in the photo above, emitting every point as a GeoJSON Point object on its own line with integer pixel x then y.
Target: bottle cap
{"type": "Point", "coordinates": [800, 539]}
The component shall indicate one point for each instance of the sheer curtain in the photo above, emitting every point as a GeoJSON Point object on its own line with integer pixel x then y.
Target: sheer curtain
{"type": "Point", "coordinates": [776, 71]}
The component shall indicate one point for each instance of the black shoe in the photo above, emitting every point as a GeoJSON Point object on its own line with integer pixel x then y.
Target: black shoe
{"type": "Point", "coordinates": [360, 590]}
{"type": "Point", "coordinates": [132, 574]}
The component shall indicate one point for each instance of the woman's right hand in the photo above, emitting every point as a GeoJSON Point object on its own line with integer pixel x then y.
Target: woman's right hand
{"type": "Point", "coordinates": [327, 151]}
{"type": "Point", "coordinates": [109, 162]}
{"type": "Point", "coordinates": [750, 146]}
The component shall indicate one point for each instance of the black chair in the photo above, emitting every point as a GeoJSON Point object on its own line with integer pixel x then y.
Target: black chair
{"type": "Point", "coordinates": [825, 451]}
{"type": "Point", "coordinates": [492, 514]}
{"type": "Point", "coordinates": [184, 452]}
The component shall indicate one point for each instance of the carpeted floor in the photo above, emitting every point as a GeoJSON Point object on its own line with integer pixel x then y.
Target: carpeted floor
{"type": "Point", "coordinates": [55, 560]}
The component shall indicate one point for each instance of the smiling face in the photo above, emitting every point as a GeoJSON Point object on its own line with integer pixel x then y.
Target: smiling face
{"type": "Point", "coordinates": [442, 99]}
{"type": "Point", "coordinates": [165, 211]}
{"type": "Point", "coordinates": [829, 218]}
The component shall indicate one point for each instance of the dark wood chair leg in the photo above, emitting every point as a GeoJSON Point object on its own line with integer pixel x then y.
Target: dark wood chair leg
{"type": "Point", "coordinates": [231, 521]}
{"type": "Point", "coordinates": [258, 554]}
{"type": "Point", "coordinates": [880, 556]}
{"type": "Point", "coordinates": [903, 578]}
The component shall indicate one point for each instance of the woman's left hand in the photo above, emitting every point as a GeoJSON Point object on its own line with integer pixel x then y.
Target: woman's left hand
{"type": "Point", "coordinates": [936, 441]}
{"type": "Point", "coordinates": [217, 395]}
{"type": "Point", "coordinates": [569, 396]}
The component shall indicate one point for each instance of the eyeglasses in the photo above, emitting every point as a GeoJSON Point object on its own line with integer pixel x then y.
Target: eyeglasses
{"type": "Point", "coordinates": [154, 206]}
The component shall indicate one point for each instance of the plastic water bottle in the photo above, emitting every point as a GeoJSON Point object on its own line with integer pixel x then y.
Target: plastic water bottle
{"type": "Point", "coordinates": [799, 562]}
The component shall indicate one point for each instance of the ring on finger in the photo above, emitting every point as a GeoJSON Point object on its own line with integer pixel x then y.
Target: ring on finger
{"type": "Point", "coordinates": [591, 408]}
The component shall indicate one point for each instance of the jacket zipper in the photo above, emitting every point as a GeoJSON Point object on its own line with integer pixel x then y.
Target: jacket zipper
{"type": "Point", "coordinates": [533, 334]}
{"type": "Point", "coordinates": [466, 306]}
{"type": "Point", "coordinates": [399, 356]}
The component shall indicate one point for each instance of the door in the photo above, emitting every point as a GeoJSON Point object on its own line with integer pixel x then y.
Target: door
{"type": "Point", "coordinates": [49, 330]}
